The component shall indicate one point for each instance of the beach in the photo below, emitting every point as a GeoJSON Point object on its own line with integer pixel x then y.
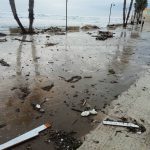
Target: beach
{"type": "Point", "coordinates": [41, 71]}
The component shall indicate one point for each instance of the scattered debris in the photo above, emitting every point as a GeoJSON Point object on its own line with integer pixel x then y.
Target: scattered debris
{"type": "Point", "coordinates": [2, 125]}
{"type": "Point", "coordinates": [50, 44]}
{"type": "Point", "coordinates": [72, 79]}
{"type": "Point", "coordinates": [111, 71]}
{"type": "Point", "coordinates": [111, 27]}
{"type": "Point", "coordinates": [77, 110]}
{"type": "Point", "coordinates": [60, 33]}
{"type": "Point", "coordinates": [52, 29]}
{"type": "Point", "coordinates": [87, 77]}
{"type": "Point", "coordinates": [117, 132]}
{"type": "Point", "coordinates": [89, 112]}
{"type": "Point", "coordinates": [90, 27]}
{"type": "Point", "coordinates": [47, 36]}
{"type": "Point", "coordinates": [73, 28]}
{"type": "Point", "coordinates": [22, 40]}
{"type": "Point", "coordinates": [132, 127]}
{"type": "Point", "coordinates": [64, 141]}
{"type": "Point", "coordinates": [17, 110]}
{"type": "Point", "coordinates": [3, 40]}
{"type": "Point", "coordinates": [72, 86]}
{"type": "Point", "coordinates": [25, 92]}
{"type": "Point", "coordinates": [2, 34]}
{"type": "Point", "coordinates": [103, 35]}
{"type": "Point", "coordinates": [89, 33]}
{"type": "Point", "coordinates": [4, 63]}
{"type": "Point", "coordinates": [38, 108]}
{"type": "Point", "coordinates": [29, 135]}
{"type": "Point", "coordinates": [121, 124]}
{"type": "Point", "coordinates": [48, 88]}
{"type": "Point", "coordinates": [96, 142]}
{"type": "Point", "coordinates": [84, 103]}
{"type": "Point", "coordinates": [113, 82]}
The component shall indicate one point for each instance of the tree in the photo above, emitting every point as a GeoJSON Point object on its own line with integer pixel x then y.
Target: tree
{"type": "Point", "coordinates": [13, 8]}
{"type": "Point", "coordinates": [140, 5]}
{"type": "Point", "coordinates": [130, 8]}
{"type": "Point", "coordinates": [126, 16]}
{"type": "Point", "coordinates": [124, 13]}
{"type": "Point", "coordinates": [31, 15]}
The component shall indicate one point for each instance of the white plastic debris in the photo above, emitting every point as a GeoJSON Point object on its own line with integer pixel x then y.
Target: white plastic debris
{"type": "Point", "coordinates": [121, 124]}
{"type": "Point", "coordinates": [89, 112]}
{"type": "Point", "coordinates": [85, 113]}
{"type": "Point", "coordinates": [93, 112]}
{"type": "Point", "coordinates": [38, 106]}
{"type": "Point", "coordinates": [33, 133]}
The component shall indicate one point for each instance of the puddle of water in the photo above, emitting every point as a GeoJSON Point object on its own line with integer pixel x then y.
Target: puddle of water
{"type": "Point", "coordinates": [33, 66]}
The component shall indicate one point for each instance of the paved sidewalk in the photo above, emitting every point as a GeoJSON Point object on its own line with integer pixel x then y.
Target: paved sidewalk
{"type": "Point", "coordinates": [134, 103]}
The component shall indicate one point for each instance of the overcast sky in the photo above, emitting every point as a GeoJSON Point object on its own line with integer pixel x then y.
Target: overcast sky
{"type": "Point", "coordinates": [75, 7]}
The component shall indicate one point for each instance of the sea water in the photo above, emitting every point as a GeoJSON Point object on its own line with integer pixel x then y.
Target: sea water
{"type": "Point", "coordinates": [47, 20]}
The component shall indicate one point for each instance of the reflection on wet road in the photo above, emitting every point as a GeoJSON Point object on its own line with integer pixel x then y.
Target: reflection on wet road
{"type": "Point", "coordinates": [35, 67]}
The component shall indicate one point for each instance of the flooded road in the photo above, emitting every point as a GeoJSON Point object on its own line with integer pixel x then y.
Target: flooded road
{"type": "Point", "coordinates": [35, 66]}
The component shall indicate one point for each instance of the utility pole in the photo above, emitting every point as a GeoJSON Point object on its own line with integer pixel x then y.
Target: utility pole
{"type": "Point", "coordinates": [110, 12]}
{"type": "Point", "coordinates": [66, 15]}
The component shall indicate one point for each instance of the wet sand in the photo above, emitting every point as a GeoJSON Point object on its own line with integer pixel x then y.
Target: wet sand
{"type": "Point", "coordinates": [34, 66]}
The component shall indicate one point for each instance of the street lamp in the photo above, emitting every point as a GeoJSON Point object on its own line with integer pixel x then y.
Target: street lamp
{"type": "Point", "coordinates": [112, 4]}
{"type": "Point", "coordinates": [66, 15]}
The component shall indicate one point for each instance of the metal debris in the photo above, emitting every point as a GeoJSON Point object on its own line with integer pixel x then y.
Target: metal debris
{"type": "Point", "coordinates": [29, 135]}
{"type": "Point", "coordinates": [121, 124]}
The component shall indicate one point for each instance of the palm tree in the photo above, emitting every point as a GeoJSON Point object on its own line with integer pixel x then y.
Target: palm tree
{"type": "Point", "coordinates": [31, 15]}
{"type": "Point", "coordinates": [130, 8]}
{"type": "Point", "coordinates": [139, 8]}
{"type": "Point", "coordinates": [13, 8]}
{"type": "Point", "coordinates": [124, 13]}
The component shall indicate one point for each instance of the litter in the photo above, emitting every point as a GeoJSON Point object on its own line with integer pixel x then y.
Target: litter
{"type": "Point", "coordinates": [72, 79]}
{"type": "Point", "coordinates": [3, 40]}
{"type": "Point", "coordinates": [3, 125]}
{"type": "Point", "coordinates": [4, 63]}
{"type": "Point", "coordinates": [38, 108]}
{"type": "Point", "coordinates": [33, 133]}
{"type": "Point", "coordinates": [89, 112]}
{"type": "Point", "coordinates": [134, 127]}
{"type": "Point", "coordinates": [50, 44]}
{"type": "Point", "coordinates": [121, 124]}
{"type": "Point", "coordinates": [48, 87]}
{"type": "Point", "coordinates": [84, 103]}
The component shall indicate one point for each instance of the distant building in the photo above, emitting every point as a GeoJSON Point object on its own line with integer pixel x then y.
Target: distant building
{"type": "Point", "coordinates": [147, 12]}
